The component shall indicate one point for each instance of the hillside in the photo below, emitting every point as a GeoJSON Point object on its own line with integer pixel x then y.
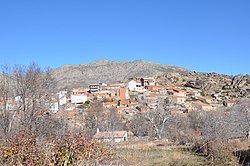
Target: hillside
{"type": "Point", "coordinates": [211, 84]}
{"type": "Point", "coordinates": [68, 76]}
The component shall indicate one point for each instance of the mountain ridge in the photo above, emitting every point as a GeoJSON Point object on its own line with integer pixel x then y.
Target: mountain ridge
{"type": "Point", "coordinates": [110, 71]}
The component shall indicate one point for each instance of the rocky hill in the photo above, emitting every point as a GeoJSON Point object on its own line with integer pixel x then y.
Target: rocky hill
{"type": "Point", "coordinates": [211, 84]}
{"type": "Point", "coordinates": [75, 75]}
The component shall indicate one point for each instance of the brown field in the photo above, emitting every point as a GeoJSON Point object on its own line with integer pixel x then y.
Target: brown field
{"type": "Point", "coordinates": [156, 154]}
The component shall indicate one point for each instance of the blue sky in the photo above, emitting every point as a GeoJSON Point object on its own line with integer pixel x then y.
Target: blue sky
{"type": "Point", "coordinates": [201, 35]}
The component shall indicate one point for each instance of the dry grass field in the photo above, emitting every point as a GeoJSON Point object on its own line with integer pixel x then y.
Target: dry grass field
{"type": "Point", "coordinates": [155, 154]}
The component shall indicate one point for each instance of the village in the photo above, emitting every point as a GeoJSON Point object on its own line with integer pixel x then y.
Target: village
{"type": "Point", "coordinates": [141, 94]}
{"type": "Point", "coordinates": [127, 98]}
{"type": "Point", "coordinates": [133, 96]}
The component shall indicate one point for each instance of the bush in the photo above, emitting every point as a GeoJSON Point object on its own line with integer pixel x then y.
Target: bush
{"type": "Point", "coordinates": [69, 150]}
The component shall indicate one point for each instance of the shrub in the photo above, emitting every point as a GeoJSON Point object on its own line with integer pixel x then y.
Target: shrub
{"type": "Point", "coordinates": [69, 150]}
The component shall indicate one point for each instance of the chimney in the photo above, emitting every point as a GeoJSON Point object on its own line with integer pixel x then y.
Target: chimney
{"type": "Point", "coordinates": [97, 130]}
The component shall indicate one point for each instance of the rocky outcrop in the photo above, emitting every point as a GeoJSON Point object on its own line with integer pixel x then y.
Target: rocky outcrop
{"type": "Point", "coordinates": [239, 81]}
{"type": "Point", "coordinates": [211, 84]}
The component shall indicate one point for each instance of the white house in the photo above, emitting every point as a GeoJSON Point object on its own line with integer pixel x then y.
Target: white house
{"type": "Point", "coordinates": [132, 85]}
{"type": "Point", "coordinates": [54, 107]}
{"type": "Point", "coordinates": [62, 97]}
{"type": "Point", "coordinates": [136, 86]}
{"type": "Point", "coordinates": [18, 99]}
{"type": "Point", "coordinates": [103, 84]}
{"type": "Point", "coordinates": [78, 99]}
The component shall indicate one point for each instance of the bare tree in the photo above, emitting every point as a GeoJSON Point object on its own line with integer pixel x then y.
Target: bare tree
{"type": "Point", "coordinates": [104, 119]}
{"type": "Point", "coordinates": [7, 116]}
{"type": "Point", "coordinates": [90, 123]}
{"type": "Point", "coordinates": [34, 88]}
{"type": "Point", "coordinates": [25, 94]}
{"type": "Point", "coordinates": [114, 121]}
{"type": "Point", "coordinates": [241, 111]}
{"type": "Point", "coordinates": [158, 118]}
{"type": "Point", "coordinates": [139, 126]}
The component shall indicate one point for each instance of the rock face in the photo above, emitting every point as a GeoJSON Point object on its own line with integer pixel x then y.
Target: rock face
{"type": "Point", "coordinates": [211, 84]}
{"type": "Point", "coordinates": [69, 76]}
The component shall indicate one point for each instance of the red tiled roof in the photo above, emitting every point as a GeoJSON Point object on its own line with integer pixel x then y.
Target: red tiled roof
{"type": "Point", "coordinates": [203, 97]}
{"type": "Point", "coordinates": [171, 85]}
{"type": "Point", "coordinates": [124, 101]}
{"type": "Point", "coordinates": [232, 101]}
{"type": "Point", "coordinates": [179, 96]}
{"type": "Point", "coordinates": [179, 90]}
{"type": "Point", "coordinates": [155, 87]}
{"type": "Point", "coordinates": [200, 103]}
{"type": "Point", "coordinates": [153, 95]}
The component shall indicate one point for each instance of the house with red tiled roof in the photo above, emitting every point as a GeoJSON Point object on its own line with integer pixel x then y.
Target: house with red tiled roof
{"type": "Point", "coordinates": [177, 92]}
{"type": "Point", "coordinates": [124, 102]}
{"type": "Point", "coordinates": [170, 86]}
{"type": "Point", "coordinates": [109, 104]}
{"type": "Point", "coordinates": [108, 136]}
{"type": "Point", "coordinates": [179, 99]}
{"type": "Point", "coordinates": [154, 87]}
{"type": "Point", "coordinates": [102, 95]}
{"type": "Point", "coordinates": [230, 103]}
{"type": "Point", "coordinates": [79, 91]}
{"type": "Point", "coordinates": [152, 95]}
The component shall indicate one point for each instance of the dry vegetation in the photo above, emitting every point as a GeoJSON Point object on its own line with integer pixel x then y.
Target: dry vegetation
{"type": "Point", "coordinates": [27, 149]}
{"type": "Point", "coordinates": [156, 153]}
{"type": "Point", "coordinates": [160, 153]}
